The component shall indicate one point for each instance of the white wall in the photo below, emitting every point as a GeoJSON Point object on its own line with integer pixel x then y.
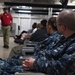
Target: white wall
{"type": "Point", "coordinates": [25, 21]}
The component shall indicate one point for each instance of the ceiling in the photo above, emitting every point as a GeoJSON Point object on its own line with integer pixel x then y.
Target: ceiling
{"type": "Point", "coordinates": [35, 1]}
{"type": "Point", "coordinates": [47, 2]}
{"type": "Point", "coordinates": [31, 1]}
{"type": "Point", "coordinates": [27, 1]}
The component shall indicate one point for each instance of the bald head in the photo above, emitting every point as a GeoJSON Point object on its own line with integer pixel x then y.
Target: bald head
{"type": "Point", "coordinates": [67, 17]}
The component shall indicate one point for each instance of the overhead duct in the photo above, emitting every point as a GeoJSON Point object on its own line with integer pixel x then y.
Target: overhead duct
{"type": "Point", "coordinates": [37, 10]}
{"type": "Point", "coordinates": [32, 4]}
{"type": "Point", "coordinates": [38, 5]}
{"type": "Point", "coordinates": [37, 13]}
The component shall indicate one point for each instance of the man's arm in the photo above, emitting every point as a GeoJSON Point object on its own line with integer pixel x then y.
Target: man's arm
{"type": "Point", "coordinates": [64, 64]}
{"type": "Point", "coordinates": [11, 19]}
{"type": "Point", "coordinates": [0, 16]}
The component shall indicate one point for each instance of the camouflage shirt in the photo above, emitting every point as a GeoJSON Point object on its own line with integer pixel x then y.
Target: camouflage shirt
{"type": "Point", "coordinates": [49, 42]}
{"type": "Point", "coordinates": [59, 60]}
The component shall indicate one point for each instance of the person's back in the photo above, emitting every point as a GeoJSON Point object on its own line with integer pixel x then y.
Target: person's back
{"type": "Point", "coordinates": [40, 34]}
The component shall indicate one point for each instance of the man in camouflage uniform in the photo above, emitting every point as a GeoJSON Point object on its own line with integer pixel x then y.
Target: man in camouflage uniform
{"type": "Point", "coordinates": [59, 60]}
{"type": "Point", "coordinates": [52, 40]}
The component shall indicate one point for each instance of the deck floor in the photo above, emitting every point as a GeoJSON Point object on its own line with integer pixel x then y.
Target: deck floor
{"type": "Point", "coordinates": [4, 53]}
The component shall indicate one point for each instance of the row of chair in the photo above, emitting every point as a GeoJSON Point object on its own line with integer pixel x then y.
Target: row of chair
{"type": "Point", "coordinates": [27, 51]}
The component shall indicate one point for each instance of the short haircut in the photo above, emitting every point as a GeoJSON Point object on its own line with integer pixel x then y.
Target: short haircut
{"type": "Point", "coordinates": [67, 17]}
{"type": "Point", "coordinates": [52, 22]}
{"type": "Point", "coordinates": [43, 22]}
{"type": "Point", "coordinates": [5, 8]}
{"type": "Point", "coordinates": [34, 25]}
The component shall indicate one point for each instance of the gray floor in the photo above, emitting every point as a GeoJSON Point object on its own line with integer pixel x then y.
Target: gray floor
{"type": "Point", "coordinates": [4, 53]}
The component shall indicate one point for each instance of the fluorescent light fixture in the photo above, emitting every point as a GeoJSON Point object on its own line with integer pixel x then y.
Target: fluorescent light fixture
{"type": "Point", "coordinates": [55, 12]}
{"type": "Point", "coordinates": [30, 7]}
{"type": "Point", "coordinates": [23, 6]}
{"type": "Point", "coordinates": [26, 7]}
{"type": "Point", "coordinates": [73, 2]}
{"type": "Point", "coordinates": [58, 2]}
{"type": "Point", "coordinates": [23, 11]}
{"type": "Point", "coordinates": [17, 6]}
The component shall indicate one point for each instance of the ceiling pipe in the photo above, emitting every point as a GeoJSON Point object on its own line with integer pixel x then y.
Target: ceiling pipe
{"type": "Point", "coordinates": [37, 10]}
{"type": "Point", "coordinates": [37, 13]}
{"type": "Point", "coordinates": [39, 5]}
{"type": "Point", "coordinates": [33, 4]}
{"type": "Point", "coordinates": [31, 13]}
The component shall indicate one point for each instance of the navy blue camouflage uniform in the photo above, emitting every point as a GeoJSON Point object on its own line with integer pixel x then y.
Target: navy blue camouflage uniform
{"type": "Point", "coordinates": [50, 42]}
{"type": "Point", "coordinates": [9, 67]}
{"type": "Point", "coordinates": [59, 60]}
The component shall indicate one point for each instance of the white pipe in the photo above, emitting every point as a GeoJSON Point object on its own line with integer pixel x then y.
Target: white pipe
{"type": "Point", "coordinates": [50, 12]}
